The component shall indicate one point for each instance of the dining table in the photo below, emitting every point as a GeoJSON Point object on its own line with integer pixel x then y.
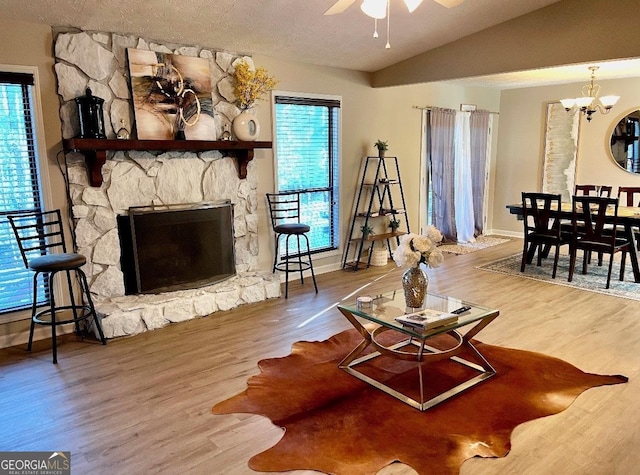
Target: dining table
{"type": "Point", "coordinates": [628, 218]}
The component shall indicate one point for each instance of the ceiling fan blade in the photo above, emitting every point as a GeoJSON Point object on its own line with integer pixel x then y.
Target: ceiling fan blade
{"type": "Point", "coordinates": [449, 3]}
{"type": "Point", "coordinates": [412, 4]}
{"type": "Point", "coordinates": [339, 7]}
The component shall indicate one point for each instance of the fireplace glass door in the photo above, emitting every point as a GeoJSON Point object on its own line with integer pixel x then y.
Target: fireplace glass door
{"type": "Point", "coordinates": [176, 247]}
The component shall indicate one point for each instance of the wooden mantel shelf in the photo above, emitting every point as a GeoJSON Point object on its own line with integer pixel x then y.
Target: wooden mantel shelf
{"type": "Point", "coordinates": [95, 150]}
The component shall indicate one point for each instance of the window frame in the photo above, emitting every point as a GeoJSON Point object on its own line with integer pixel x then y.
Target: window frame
{"type": "Point", "coordinates": [44, 183]}
{"type": "Point", "coordinates": [338, 174]}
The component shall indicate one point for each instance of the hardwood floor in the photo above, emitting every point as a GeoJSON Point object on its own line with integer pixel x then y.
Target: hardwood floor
{"type": "Point", "coordinates": [143, 404]}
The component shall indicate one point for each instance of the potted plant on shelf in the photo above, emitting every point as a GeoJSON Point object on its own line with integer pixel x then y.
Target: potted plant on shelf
{"type": "Point", "coordinates": [382, 147]}
{"type": "Point", "coordinates": [394, 224]}
{"type": "Point", "coordinates": [366, 231]}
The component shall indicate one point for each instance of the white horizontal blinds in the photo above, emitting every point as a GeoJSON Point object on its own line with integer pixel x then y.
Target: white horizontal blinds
{"type": "Point", "coordinates": [19, 190]}
{"type": "Point", "coordinates": [307, 151]}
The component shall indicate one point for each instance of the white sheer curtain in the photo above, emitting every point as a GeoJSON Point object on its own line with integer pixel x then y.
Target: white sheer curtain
{"type": "Point", "coordinates": [463, 196]}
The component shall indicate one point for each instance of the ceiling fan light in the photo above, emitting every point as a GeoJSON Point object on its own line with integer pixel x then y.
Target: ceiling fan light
{"type": "Point", "coordinates": [374, 8]}
{"type": "Point", "coordinates": [412, 4]}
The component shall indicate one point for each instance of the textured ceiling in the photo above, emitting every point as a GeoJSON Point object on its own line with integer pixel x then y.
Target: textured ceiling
{"type": "Point", "coordinates": [293, 30]}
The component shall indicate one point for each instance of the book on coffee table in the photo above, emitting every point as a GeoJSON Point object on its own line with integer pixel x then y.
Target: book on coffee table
{"type": "Point", "coordinates": [427, 319]}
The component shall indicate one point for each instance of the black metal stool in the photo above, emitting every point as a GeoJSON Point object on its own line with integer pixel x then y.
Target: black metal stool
{"type": "Point", "coordinates": [285, 220]}
{"type": "Point", "coordinates": [37, 234]}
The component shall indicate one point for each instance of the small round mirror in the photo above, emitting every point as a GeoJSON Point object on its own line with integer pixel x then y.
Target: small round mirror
{"type": "Point", "coordinates": [625, 141]}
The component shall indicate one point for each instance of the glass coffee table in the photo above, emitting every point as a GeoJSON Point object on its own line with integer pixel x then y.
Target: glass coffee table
{"type": "Point", "coordinates": [372, 320]}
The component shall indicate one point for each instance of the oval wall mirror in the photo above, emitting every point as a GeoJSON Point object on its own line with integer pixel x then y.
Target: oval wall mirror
{"type": "Point", "coordinates": [625, 141]}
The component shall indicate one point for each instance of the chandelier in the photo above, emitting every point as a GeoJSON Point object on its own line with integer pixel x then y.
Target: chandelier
{"type": "Point", "coordinates": [379, 9]}
{"type": "Point", "coordinates": [590, 102]}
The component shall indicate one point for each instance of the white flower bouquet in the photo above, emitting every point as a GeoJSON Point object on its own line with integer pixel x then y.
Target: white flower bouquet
{"type": "Point", "coordinates": [414, 249]}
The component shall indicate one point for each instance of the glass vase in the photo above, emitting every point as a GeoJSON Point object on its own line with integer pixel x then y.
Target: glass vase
{"type": "Point", "coordinates": [414, 284]}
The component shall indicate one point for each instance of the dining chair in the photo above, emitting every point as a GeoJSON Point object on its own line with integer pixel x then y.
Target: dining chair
{"type": "Point", "coordinates": [40, 238]}
{"type": "Point", "coordinates": [284, 209]}
{"type": "Point", "coordinates": [597, 190]}
{"type": "Point", "coordinates": [592, 232]}
{"type": "Point", "coordinates": [631, 195]}
{"type": "Point", "coordinates": [541, 228]}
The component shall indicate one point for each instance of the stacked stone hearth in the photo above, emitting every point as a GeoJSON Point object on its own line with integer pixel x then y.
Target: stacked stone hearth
{"type": "Point", "coordinates": [98, 60]}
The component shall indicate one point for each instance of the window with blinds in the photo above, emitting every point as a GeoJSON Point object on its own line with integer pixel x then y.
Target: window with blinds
{"type": "Point", "coordinates": [19, 186]}
{"type": "Point", "coordinates": [306, 153]}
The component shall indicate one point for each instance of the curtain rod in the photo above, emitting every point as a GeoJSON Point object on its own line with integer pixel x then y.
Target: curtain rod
{"type": "Point", "coordinates": [431, 107]}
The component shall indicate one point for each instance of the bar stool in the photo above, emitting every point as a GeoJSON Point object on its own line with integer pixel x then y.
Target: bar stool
{"type": "Point", "coordinates": [38, 235]}
{"type": "Point", "coordinates": [285, 220]}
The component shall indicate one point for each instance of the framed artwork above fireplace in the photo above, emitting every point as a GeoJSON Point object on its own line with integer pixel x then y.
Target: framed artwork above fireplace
{"type": "Point", "coordinates": [171, 96]}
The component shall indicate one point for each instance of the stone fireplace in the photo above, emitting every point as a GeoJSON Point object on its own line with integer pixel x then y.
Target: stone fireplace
{"type": "Point", "coordinates": [130, 179]}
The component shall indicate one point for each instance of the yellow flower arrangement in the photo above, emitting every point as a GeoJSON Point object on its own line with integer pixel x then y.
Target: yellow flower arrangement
{"type": "Point", "coordinates": [251, 85]}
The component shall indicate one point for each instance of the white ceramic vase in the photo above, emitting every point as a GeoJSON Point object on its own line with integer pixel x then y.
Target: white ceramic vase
{"type": "Point", "coordinates": [246, 126]}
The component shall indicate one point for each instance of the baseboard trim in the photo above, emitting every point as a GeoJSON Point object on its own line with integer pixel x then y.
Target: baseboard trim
{"type": "Point", "coordinates": [500, 232]}
{"type": "Point", "coordinates": [40, 333]}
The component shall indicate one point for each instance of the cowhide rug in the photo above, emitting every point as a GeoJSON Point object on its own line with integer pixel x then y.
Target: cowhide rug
{"type": "Point", "coordinates": [337, 424]}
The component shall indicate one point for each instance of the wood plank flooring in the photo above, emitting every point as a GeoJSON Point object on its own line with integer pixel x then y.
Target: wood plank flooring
{"type": "Point", "coordinates": [142, 404]}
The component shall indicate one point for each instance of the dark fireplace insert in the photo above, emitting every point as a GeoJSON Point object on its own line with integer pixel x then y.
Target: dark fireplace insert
{"type": "Point", "coordinates": [176, 247]}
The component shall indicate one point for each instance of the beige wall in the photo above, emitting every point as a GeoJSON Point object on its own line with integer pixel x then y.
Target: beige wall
{"type": "Point", "coordinates": [367, 115]}
{"type": "Point", "coordinates": [353, 87]}
{"type": "Point", "coordinates": [26, 44]}
{"type": "Point", "coordinates": [521, 143]}
{"type": "Point", "coordinates": [570, 31]}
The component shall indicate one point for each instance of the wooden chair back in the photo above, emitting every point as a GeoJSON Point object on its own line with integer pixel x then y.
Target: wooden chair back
{"type": "Point", "coordinates": [631, 195]}
{"type": "Point", "coordinates": [539, 211]}
{"type": "Point", "coordinates": [590, 222]}
{"type": "Point", "coordinates": [587, 190]}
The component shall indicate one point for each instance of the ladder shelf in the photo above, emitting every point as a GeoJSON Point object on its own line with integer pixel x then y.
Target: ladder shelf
{"type": "Point", "coordinates": [380, 185]}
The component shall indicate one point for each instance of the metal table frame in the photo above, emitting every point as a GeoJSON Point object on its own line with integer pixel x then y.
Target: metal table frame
{"type": "Point", "coordinates": [423, 353]}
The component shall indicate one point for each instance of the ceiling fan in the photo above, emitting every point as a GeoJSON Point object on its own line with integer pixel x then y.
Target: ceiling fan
{"type": "Point", "coordinates": [342, 5]}
{"type": "Point", "coordinates": [379, 9]}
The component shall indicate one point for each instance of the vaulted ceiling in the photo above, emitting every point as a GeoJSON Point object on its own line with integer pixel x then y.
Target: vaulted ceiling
{"type": "Point", "coordinates": [295, 30]}
{"type": "Point", "coordinates": [298, 30]}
